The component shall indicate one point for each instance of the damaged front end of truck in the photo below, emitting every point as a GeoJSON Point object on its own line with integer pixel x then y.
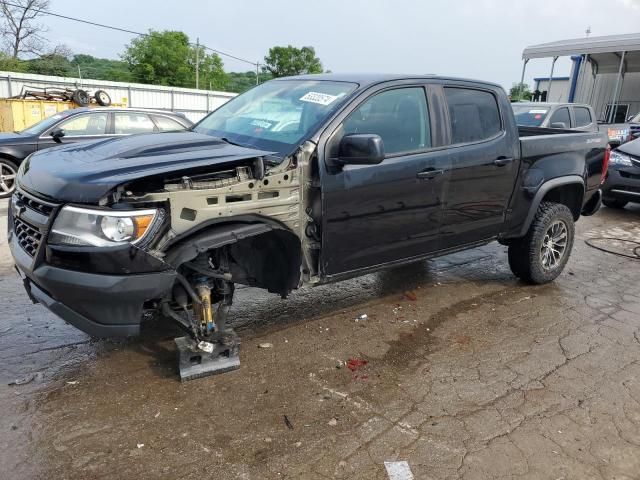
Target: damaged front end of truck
{"type": "Point", "coordinates": [174, 243]}
{"type": "Point", "coordinates": [107, 233]}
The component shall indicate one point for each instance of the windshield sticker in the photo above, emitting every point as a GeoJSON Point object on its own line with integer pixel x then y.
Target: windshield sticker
{"type": "Point", "coordinates": [319, 98]}
{"type": "Point", "coordinates": [537, 111]}
{"type": "Point", "coordinates": [261, 124]}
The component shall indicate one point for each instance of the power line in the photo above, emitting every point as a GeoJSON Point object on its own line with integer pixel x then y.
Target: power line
{"type": "Point", "coordinates": [95, 24]}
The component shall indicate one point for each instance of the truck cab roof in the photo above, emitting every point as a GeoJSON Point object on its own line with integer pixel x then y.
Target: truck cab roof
{"type": "Point", "coordinates": [368, 79]}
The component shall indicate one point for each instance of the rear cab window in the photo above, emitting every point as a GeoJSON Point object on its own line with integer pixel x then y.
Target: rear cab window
{"type": "Point", "coordinates": [582, 116]}
{"type": "Point", "coordinates": [474, 114]}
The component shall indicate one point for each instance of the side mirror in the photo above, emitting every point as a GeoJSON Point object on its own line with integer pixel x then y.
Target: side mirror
{"type": "Point", "coordinates": [560, 125]}
{"type": "Point", "coordinates": [361, 149]}
{"type": "Point", "coordinates": [57, 134]}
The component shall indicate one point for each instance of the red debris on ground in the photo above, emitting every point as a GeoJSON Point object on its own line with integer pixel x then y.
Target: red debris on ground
{"type": "Point", "coordinates": [354, 364]}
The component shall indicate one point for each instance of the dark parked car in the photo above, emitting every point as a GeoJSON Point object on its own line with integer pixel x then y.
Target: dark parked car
{"type": "Point", "coordinates": [299, 181]}
{"type": "Point", "coordinates": [76, 125]}
{"type": "Point", "coordinates": [622, 184]}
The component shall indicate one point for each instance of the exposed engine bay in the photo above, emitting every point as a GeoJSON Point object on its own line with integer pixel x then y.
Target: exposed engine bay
{"type": "Point", "coordinates": [249, 224]}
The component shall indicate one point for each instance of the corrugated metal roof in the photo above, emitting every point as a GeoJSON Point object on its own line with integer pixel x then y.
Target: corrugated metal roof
{"type": "Point", "coordinates": [578, 46]}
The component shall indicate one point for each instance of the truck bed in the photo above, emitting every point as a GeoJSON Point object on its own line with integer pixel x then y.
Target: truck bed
{"type": "Point", "coordinates": [536, 142]}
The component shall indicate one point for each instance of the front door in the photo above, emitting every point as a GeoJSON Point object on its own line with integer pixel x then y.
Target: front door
{"type": "Point", "coordinates": [375, 214]}
{"type": "Point", "coordinates": [78, 128]}
{"type": "Point", "coordinates": [484, 167]}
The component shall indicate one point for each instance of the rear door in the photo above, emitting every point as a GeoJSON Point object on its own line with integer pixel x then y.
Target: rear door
{"type": "Point", "coordinates": [376, 214]}
{"type": "Point", "coordinates": [130, 123]}
{"type": "Point", "coordinates": [483, 153]}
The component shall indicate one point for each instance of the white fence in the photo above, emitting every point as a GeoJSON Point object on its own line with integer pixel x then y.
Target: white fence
{"type": "Point", "coordinates": [193, 103]}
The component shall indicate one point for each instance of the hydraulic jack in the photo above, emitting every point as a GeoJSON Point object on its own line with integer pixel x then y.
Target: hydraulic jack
{"type": "Point", "coordinates": [214, 347]}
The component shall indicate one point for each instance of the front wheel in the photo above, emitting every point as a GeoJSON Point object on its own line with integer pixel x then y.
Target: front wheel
{"type": "Point", "coordinates": [8, 171]}
{"type": "Point", "coordinates": [541, 255]}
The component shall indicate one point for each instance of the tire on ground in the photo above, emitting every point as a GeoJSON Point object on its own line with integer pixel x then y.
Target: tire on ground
{"type": "Point", "coordinates": [525, 254]}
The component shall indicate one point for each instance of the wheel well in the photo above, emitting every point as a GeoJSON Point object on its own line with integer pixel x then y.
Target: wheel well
{"type": "Point", "coordinates": [268, 260]}
{"type": "Point", "coordinates": [257, 254]}
{"type": "Point", "coordinates": [570, 195]}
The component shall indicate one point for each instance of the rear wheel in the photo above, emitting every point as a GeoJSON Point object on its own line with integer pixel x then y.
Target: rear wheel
{"type": "Point", "coordinates": [613, 203]}
{"type": "Point", "coordinates": [541, 255]}
{"type": "Point", "coordinates": [8, 171]}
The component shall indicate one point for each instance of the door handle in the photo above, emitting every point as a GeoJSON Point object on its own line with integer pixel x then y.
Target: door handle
{"type": "Point", "coordinates": [502, 161]}
{"type": "Point", "coordinates": [429, 174]}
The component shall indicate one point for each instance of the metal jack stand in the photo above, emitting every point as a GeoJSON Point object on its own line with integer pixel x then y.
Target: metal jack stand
{"type": "Point", "coordinates": [218, 351]}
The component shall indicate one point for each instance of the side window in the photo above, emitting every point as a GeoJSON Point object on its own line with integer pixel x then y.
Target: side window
{"type": "Point", "coordinates": [561, 116]}
{"type": "Point", "coordinates": [474, 115]}
{"type": "Point", "coordinates": [166, 124]}
{"type": "Point", "coordinates": [130, 123]}
{"type": "Point", "coordinates": [399, 116]}
{"type": "Point", "coordinates": [583, 116]}
{"type": "Point", "coordinates": [82, 125]}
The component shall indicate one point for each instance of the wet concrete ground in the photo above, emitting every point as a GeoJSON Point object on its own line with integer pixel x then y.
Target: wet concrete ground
{"type": "Point", "coordinates": [459, 369]}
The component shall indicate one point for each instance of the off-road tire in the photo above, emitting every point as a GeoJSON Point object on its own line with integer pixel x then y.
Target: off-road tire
{"type": "Point", "coordinates": [526, 255]}
{"type": "Point", "coordinates": [7, 186]}
{"type": "Point", "coordinates": [102, 98]}
{"type": "Point", "coordinates": [614, 203]}
{"type": "Point", "coordinates": [80, 97]}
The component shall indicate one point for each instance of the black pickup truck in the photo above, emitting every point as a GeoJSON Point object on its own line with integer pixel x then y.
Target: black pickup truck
{"type": "Point", "coordinates": [299, 181]}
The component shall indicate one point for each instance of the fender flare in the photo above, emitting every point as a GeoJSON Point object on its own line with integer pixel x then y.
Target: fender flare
{"type": "Point", "coordinates": [545, 188]}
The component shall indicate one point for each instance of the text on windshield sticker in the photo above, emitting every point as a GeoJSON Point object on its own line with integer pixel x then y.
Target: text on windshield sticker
{"type": "Point", "coordinates": [319, 98]}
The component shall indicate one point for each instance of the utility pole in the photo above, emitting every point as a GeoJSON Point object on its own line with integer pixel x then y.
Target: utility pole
{"type": "Point", "coordinates": [197, 63]}
{"type": "Point", "coordinates": [588, 31]}
{"type": "Point", "coordinates": [257, 70]}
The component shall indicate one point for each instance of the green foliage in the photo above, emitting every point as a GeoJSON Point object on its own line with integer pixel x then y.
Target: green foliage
{"type": "Point", "coordinates": [520, 91]}
{"type": "Point", "coordinates": [50, 64]}
{"type": "Point", "coordinates": [211, 70]}
{"type": "Point", "coordinates": [10, 64]}
{"type": "Point", "coordinates": [162, 58]}
{"type": "Point", "coordinates": [242, 81]}
{"type": "Point", "coordinates": [100, 68]}
{"type": "Point", "coordinates": [289, 60]}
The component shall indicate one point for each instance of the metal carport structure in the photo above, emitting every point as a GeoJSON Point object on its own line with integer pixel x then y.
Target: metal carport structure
{"type": "Point", "coordinates": [613, 56]}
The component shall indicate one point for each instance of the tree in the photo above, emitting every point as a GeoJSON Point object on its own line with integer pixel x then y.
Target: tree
{"type": "Point", "coordinates": [520, 91]}
{"type": "Point", "coordinates": [289, 60]}
{"type": "Point", "coordinates": [56, 62]}
{"type": "Point", "coordinates": [162, 58]}
{"type": "Point", "coordinates": [10, 64]}
{"type": "Point", "coordinates": [19, 29]}
{"type": "Point", "coordinates": [210, 72]}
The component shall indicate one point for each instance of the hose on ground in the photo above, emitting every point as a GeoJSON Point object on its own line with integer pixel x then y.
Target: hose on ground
{"type": "Point", "coordinates": [635, 255]}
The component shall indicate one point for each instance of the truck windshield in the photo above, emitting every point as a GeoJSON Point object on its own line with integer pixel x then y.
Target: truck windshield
{"type": "Point", "coordinates": [276, 115]}
{"type": "Point", "coordinates": [529, 116]}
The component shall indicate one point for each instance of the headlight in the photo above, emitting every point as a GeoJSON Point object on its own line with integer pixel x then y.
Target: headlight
{"type": "Point", "coordinates": [102, 228]}
{"type": "Point", "coordinates": [620, 159]}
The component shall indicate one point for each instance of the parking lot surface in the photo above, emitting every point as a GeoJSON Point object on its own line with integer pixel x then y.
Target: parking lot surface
{"type": "Point", "coordinates": [458, 369]}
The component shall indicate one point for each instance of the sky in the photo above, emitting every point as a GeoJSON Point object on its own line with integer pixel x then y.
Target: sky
{"type": "Point", "coordinates": [481, 39]}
